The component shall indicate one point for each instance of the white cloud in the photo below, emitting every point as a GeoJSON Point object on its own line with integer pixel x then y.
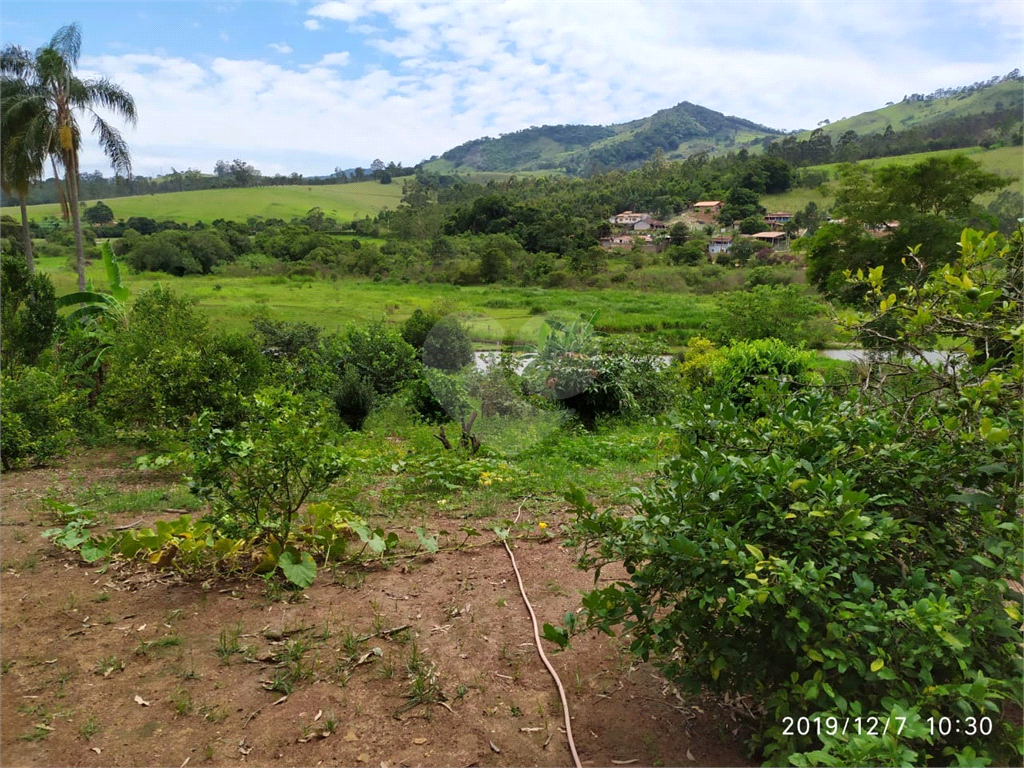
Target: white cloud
{"type": "Point", "coordinates": [339, 59]}
{"type": "Point", "coordinates": [337, 10]}
{"type": "Point", "coordinates": [457, 72]}
{"type": "Point", "coordinates": [280, 47]}
{"type": "Point", "coordinates": [224, 37]}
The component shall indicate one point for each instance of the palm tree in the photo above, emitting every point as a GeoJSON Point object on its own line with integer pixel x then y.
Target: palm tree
{"type": "Point", "coordinates": [21, 161]}
{"type": "Point", "coordinates": [48, 104]}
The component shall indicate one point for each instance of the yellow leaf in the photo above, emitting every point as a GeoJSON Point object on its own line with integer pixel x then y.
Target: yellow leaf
{"type": "Point", "coordinates": [815, 655]}
{"type": "Point", "coordinates": [877, 664]}
{"type": "Point", "coordinates": [966, 281]}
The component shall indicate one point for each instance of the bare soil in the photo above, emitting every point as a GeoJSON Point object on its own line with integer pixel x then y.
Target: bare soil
{"type": "Point", "coordinates": [67, 629]}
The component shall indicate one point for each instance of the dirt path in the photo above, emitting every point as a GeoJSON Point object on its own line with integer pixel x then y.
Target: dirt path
{"type": "Point", "coordinates": [81, 648]}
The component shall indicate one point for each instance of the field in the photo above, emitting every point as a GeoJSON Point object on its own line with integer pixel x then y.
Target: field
{"type": "Point", "coordinates": [343, 202]}
{"type": "Point", "coordinates": [494, 313]}
{"type": "Point", "coordinates": [1005, 161]}
{"type": "Point", "coordinates": [423, 660]}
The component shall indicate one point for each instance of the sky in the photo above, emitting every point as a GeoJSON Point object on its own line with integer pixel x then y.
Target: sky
{"type": "Point", "coordinates": [308, 87]}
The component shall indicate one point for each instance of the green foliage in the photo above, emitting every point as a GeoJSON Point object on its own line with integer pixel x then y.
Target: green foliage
{"type": "Point", "coordinates": [28, 313]}
{"type": "Point", "coordinates": [36, 417]}
{"type": "Point", "coordinates": [573, 367]}
{"type": "Point", "coordinates": [783, 312]}
{"type": "Point", "coordinates": [845, 556]}
{"type": "Point", "coordinates": [737, 372]}
{"type": "Point", "coordinates": [166, 365]}
{"type": "Point", "coordinates": [380, 356]}
{"type": "Point", "coordinates": [100, 213]}
{"type": "Point", "coordinates": [259, 474]}
{"type": "Point", "coordinates": [447, 346]}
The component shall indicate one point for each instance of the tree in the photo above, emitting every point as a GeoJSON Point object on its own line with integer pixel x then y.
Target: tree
{"type": "Point", "coordinates": [101, 213]}
{"type": "Point", "coordinates": [678, 233]}
{"type": "Point", "coordinates": [21, 158]}
{"type": "Point", "coordinates": [28, 313]}
{"type": "Point", "coordinates": [50, 98]}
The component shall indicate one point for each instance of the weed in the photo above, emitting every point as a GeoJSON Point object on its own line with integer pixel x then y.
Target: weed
{"type": "Point", "coordinates": [283, 682]}
{"type": "Point", "coordinates": [274, 588]}
{"type": "Point", "coordinates": [213, 714]}
{"type": "Point", "coordinates": [102, 597]}
{"type": "Point", "coordinates": [386, 669]}
{"type": "Point", "coordinates": [330, 721]}
{"type": "Point", "coordinates": [161, 642]}
{"type": "Point", "coordinates": [351, 643]}
{"type": "Point", "coordinates": [227, 644]}
{"type": "Point", "coordinates": [38, 733]}
{"type": "Point", "coordinates": [500, 602]}
{"type": "Point", "coordinates": [515, 711]}
{"type": "Point", "coordinates": [89, 728]}
{"type": "Point", "coordinates": [182, 701]}
{"type": "Point", "coordinates": [108, 665]}
{"type": "Point", "coordinates": [208, 753]}
{"type": "Point", "coordinates": [173, 616]}
{"type": "Point", "coordinates": [461, 691]}
{"type": "Point", "coordinates": [416, 663]}
{"type": "Point", "coordinates": [5, 667]}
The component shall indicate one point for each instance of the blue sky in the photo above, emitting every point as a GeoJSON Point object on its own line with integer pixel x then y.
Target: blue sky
{"type": "Point", "coordinates": [307, 86]}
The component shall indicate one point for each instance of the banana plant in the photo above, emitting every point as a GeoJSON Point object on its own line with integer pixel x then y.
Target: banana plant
{"type": "Point", "coordinates": [110, 308]}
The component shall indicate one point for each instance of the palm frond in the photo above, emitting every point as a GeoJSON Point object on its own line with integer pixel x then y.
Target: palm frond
{"type": "Point", "coordinates": [16, 61]}
{"type": "Point", "coordinates": [67, 41]}
{"type": "Point", "coordinates": [112, 96]}
{"type": "Point", "coordinates": [114, 145]}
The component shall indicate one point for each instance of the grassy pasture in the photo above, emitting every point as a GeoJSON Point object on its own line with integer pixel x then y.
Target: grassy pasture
{"type": "Point", "coordinates": [494, 313]}
{"type": "Point", "coordinates": [340, 201]}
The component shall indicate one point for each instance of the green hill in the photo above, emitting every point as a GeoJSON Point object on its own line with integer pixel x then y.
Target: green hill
{"type": "Point", "coordinates": [1005, 98]}
{"type": "Point", "coordinates": [343, 202]}
{"type": "Point", "coordinates": [679, 131]}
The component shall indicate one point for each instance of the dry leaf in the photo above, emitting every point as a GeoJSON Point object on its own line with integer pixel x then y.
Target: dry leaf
{"type": "Point", "coordinates": [494, 747]}
{"type": "Point", "coordinates": [186, 762]}
{"type": "Point", "coordinates": [625, 762]}
{"type": "Point", "coordinates": [419, 740]}
{"type": "Point", "coordinates": [141, 701]}
{"type": "Point", "coordinates": [319, 714]}
{"type": "Point", "coordinates": [690, 757]}
{"type": "Point", "coordinates": [362, 758]}
{"type": "Point", "coordinates": [97, 750]}
{"type": "Point", "coordinates": [351, 736]}
{"type": "Point", "coordinates": [282, 700]}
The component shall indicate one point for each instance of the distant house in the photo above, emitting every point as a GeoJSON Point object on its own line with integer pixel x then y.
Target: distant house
{"type": "Point", "coordinates": [708, 207]}
{"type": "Point", "coordinates": [618, 241]}
{"type": "Point", "coordinates": [648, 224]}
{"type": "Point", "coordinates": [777, 219]}
{"type": "Point", "coordinates": [628, 218]}
{"type": "Point", "coordinates": [777, 240]}
{"type": "Point", "coordinates": [720, 244]}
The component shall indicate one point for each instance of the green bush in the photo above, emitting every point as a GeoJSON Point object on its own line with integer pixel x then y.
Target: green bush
{"type": "Point", "coordinates": [35, 417]}
{"type": "Point", "coordinates": [257, 475]}
{"type": "Point", "coordinates": [848, 555]}
{"type": "Point", "coordinates": [166, 365]}
{"type": "Point", "coordinates": [380, 356]}
{"type": "Point", "coordinates": [778, 311]}
{"type": "Point", "coordinates": [28, 313]}
{"type": "Point", "coordinates": [737, 371]}
{"type": "Point", "coordinates": [447, 346]}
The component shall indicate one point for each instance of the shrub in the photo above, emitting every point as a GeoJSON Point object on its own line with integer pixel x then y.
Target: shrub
{"type": "Point", "coordinates": [380, 356]}
{"type": "Point", "coordinates": [447, 345]}
{"type": "Point", "coordinates": [777, 311]}
{"type": "Point", "coordinates": [35, 414]}
{"type": "Point", "coordinates": [166, 366]}
{"type": "Point", "coordinates": [28, 313]}
{"type": "Point", "coordinates": [257, 475]}
{"type": "Point", "coordinates": [846, 556]}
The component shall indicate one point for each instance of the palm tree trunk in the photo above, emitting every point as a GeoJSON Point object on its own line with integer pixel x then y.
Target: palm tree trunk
{"type": "Point", "coordinates": [26, 236]}
{"type": "Point", "coordinates": [60, 190]}
{"type": "Point", "coordinates": [71, 168]}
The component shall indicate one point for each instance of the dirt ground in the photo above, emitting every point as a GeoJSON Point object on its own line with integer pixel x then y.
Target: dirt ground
{"type": "Point", "coordinates": [129, 666]}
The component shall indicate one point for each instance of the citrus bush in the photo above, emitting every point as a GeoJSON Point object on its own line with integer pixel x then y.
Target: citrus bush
{"type": "Point", "coordinates": [847, 555]}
